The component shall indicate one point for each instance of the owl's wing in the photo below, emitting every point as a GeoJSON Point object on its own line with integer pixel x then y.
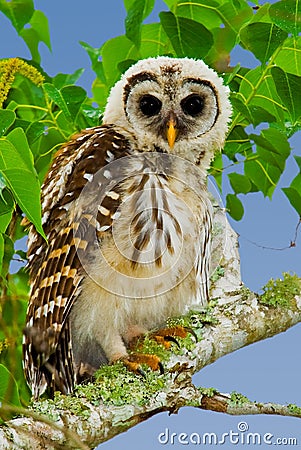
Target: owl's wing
{"type": "Point", "coordinates": [55, 266]}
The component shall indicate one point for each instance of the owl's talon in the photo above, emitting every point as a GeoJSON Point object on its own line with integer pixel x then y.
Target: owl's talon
{"type": "Point", "coordinates": [141, 372]}
{"type": "Point", "coordinates": [192, 332]}
{"type": "Point", "coordinates": [171, 339]}
{"type": "Point", "coordinates": [167, 335]}
{"type": "Point", "coordinates": [134, 361]}
{"type": "Point", "coordinates": [161, 368]}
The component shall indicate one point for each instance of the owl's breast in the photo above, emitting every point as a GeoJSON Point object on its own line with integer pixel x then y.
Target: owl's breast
{"type": "Point", "coordinates": [154, 236]}
{"type": "Point", "coordinates": [154, 223]}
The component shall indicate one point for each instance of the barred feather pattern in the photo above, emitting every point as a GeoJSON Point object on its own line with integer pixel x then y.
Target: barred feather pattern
{"type": "Point", "coordinates": [54, 266]}
{"type": "Point", "coordinates": [72, 312]}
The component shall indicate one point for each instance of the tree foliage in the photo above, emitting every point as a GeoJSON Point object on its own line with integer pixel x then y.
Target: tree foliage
{"type": "Point", "coordinates": [38, 113]}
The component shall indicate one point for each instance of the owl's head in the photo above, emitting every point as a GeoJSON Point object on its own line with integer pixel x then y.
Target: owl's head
{"type": "Point", "coordinates": [173, 105]}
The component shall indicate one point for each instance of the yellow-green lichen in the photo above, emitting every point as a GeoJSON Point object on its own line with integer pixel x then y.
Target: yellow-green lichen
{"type": "Point", "coordinates": [237, 399]}
{"type": "Point", "coordinates": [281, 292]}
{"type": "Point", "coordinates": [208, 392]}
{"type": "Point", "coordinates": [294, 409]}
{"type": "Point", "coordinates": [149, 346]}
{"type": "Point", "coordinates": [196, 319]}
{"type": "Point", "coordinates": [52, 408]}
{"type": "Point", "coordinates": [217, 274]}
{"type": "Point", "coordinates": [115, 385]}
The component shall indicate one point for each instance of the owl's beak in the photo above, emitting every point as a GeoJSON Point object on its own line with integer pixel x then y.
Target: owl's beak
{"type": "Point", "coordinates": [171, 132]}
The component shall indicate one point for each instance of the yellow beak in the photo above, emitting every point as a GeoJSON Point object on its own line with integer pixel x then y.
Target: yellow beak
{"type": "Point", "coordinates": [171, 133]}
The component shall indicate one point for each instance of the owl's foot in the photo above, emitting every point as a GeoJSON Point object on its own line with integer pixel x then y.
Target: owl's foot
{"type": "Point", "coordinates": [133, 363]}
{"type": "Point", "coordinates": [163, 336]}
{"type": "Point", "coordinates": [167, 336]}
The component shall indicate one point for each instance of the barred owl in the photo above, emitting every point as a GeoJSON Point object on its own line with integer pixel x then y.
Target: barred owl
{"type": "Point", "coordinates": [127, 217]}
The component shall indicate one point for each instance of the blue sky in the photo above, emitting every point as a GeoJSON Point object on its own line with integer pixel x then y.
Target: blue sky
{"type": "Point", "coordinates": [266, 371]}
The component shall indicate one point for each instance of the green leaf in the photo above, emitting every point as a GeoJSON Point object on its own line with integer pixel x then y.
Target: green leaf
{"type": "Point", "coordinates": [65, 79]}
{"type": "Point", "coordinates": [122, 49]}
{"type": "Point", "coordinates": [14, 310]}
{"type": "Point", "coordinates": [214, 14]}
{"type": "Point", "coordinates": [286, 15]}
{"type": "Point", "coordinates": [234, 206]}
{"type": "Point", "coordinates": [100, 92]}
{"type": "Point", "coordinates": [296, 183]}
{"type": "Point", "coordinates": [18, 139]}
{"type": "Point", "coordinates": [34, 131]}
{"type": "Point", "coordinates": [25, 92]}
{"type": "Point", "coordinates": [56, 96]}
{"type": "Point", "coordinates": [254, 114]}
{"type": "Point", "coordinates": [293, 192]}
{"type": "Point", "coordinates": [92, 115]}
{"type": "Point", "coordinates": [19, 12]}
{"type": "Point", "coordinates": [39, 23]}
{"type": "Point", "coordinates": [298, 161]}
{"type": "Point", "coordinates": [264, 175]}
{"type": "Point", "coordinates": [154, 41]}
{"type": "Point", "coordinates": [288, 57]}
{"type": "Point", "coordinates": [257, 88]}
{"type": "Point", "coordinates": [9, 392]}
{"type": "Point", "coordinates": [188, 37]}
{"type": "Point", "coordinates": [7, 118]}
{"type": "Point", "coordinates": [235, 14]}
{"type": "Point", "coordinates": [272, 146]}
{"type": "Point", "coordinates": [21, 290]}
{"type": "Point", "coordinates": [9, 251]}
{"type": "Point", "coordinates": [20, 123]}
{"type": "Point", "coordinates": [1, 250]}
{"type": "Point", "coordinates": [148, 6]}
{"type": "Point", "coordinates": [288, 89]}
{"type": "Point", "coordinates": [17, 169]}
{"type": "Point", "coordinates": [94, 55]}
{"type": "Point", "coordinates": [38, 32]}
{"type": "Point", "coordinates": [31, 38]}
{"type": "Point", "coordinates": [73, 97]}
{"type": "Point", "coordinates": [203, 12]}
{"type": "Point", "coordinates": [240, 183]}
{"type": "Point", "coordinates": [238, 141]}
{"type": "Point", "coordinates": [6, 209]}
{"type": "Point", "coordinates": [219, 54]}
{"type": "Point", "coordinates": [262, 39]}
{"type": "Point", "coordinates": [133, 21]}
{"type": "Point", "coordinates": [125, 65]}
{"type": "Point", "coordinates": [294, 197]}
{"type": "Point", "coordinates": [171, 3]}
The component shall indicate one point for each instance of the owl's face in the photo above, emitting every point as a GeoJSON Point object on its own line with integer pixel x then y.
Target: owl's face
{"type": "Point", "coordinates": [172, 105]}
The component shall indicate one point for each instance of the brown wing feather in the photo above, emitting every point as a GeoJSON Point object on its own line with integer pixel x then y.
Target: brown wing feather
{"type": "Point", "coordinates": [55, 266]}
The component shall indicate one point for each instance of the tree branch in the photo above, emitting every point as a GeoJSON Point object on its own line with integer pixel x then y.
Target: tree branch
{"type": "Point", "coordinates": [226, 404]}
{"type": "Point", "coordinates": [97, 412]}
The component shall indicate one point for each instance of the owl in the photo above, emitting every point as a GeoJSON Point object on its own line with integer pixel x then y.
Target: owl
{"type": "Point", "coordinates": [127, 216]}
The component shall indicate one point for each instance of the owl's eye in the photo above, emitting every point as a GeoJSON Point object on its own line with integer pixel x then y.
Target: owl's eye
{"type": "Point", "coordinates": [192, 105]}
{"type": "Point", "coordinates": [150, 105]}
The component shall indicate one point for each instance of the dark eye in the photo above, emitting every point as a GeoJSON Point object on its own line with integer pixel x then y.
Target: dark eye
{"type": "Point", "coordinates": [150, 105]}
{"type": "Point", "coordinates": [192, 105]}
